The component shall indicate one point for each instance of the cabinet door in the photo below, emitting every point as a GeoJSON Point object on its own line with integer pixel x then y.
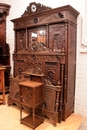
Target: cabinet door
{"type": "Point", "coordinates": [26, 96]}
{"type": "Point", "coordinates": [19, 66]}
{"type": "Point", "coordinates": [57, 33]}
{"type": "Point", "coordinates": [52, 72]}
{"type": "Point", "coordinates": [20, 40]}
{"type": "Point", "coordinates": [50, 98]}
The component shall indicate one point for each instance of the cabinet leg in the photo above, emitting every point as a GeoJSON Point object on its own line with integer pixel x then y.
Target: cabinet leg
{"type": "Point", "coordinates": [43, 111]}
{"type": "Point", "coordinates": [20, 112]}
{"type": "Point", "coordinates": [4, 96]}
{"type": "Point", "coordinates": [33, 117]}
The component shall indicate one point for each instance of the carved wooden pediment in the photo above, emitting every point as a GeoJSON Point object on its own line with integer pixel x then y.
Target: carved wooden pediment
{"type": "Point", "coordinates": [35, 7]}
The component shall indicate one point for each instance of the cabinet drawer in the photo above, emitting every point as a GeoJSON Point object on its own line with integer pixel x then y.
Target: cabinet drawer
{"type": "Point", "coordinates": [26, 88]}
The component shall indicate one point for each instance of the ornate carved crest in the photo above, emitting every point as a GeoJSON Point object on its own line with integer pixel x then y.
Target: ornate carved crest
{"type": "Point", "coordinates": [35, 7]}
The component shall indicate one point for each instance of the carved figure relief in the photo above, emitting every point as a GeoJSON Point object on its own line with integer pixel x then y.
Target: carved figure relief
{"type": "Point", "coordinates": [57, 42]}
{"type": "Point", "coordinates": [21, 36]}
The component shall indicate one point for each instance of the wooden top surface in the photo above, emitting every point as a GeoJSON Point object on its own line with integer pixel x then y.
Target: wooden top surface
{"type": "Point", "coordinates": [31, 84]}
{"type": "Point", "coordinates": [28, 73]}
{"type": "Point", "coordinates": [2, 68]}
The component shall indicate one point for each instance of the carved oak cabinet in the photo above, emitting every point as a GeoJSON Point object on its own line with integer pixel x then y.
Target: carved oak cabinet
{"type": "Point", "coordinates": [45, 41]}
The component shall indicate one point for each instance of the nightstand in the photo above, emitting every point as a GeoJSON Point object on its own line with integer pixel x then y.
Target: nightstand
{"type": "Point", "coordinates": [31, 95]}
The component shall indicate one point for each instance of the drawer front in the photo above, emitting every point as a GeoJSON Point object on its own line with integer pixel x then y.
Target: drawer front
{"type": "Point", "coordinates": [26, 88]}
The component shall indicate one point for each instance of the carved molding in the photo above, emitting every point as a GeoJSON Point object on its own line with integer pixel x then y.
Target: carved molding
{"type": "Point", "coordinates": [52, 17]}
{"type": "Point", "coordinates": [4, 8]}
{"type": "Point", "coordinates": [41, 57]}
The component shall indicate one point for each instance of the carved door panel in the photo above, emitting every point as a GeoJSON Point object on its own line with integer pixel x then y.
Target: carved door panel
{"type": "Point", "coordinates": [19, 66]}
{"type": "Point", "coordinates": [50, 97]}
{"type": "Point", "coordinates": [27, 96]}
{"type": "Point", "coordinates": [57, 34]}
{"type": "Point", "coordinates": [52, 72]}
{"type": "Point", "coordinates": [21, 40]}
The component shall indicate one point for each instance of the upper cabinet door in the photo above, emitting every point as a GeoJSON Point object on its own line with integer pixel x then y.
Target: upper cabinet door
{"type": "Point", "coordinates": [37, 38]}
{"type": "Point", "coordinates": [57, 37]}
{"type": "Point", "coordinates": [20, 40]}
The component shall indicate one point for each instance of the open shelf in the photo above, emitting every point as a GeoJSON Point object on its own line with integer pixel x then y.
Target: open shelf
{"type": "Point", "coordinates": [28, 120]}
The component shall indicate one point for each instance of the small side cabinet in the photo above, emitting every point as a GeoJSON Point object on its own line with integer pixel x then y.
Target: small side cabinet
{"type": "Point", "coordinates": [31, 95]}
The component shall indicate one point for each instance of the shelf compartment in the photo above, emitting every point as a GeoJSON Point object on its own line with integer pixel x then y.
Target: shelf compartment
{"type": "Point", "coordinates": [28, 120]}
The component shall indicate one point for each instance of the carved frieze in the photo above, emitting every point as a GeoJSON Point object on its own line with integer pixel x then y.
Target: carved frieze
{"type": "Point", "coordinates": [40, 19]}
{"type": "Point", "coordinates": [38, 57]}
{"type": "Point", "coordinates": [51, 17]}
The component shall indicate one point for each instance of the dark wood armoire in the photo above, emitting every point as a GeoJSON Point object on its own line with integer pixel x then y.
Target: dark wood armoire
{"type": "Point", "coordinates": [45, 41]}
{"type": "Point", "coordinates": [4, 46]}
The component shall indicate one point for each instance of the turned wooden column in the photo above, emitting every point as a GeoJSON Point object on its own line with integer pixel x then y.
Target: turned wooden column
{"type": "Point", "coordinates": [2, 86]}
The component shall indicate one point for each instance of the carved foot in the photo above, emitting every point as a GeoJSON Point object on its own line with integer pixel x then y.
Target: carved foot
{"type": "Point", "coordinates": [54, 125]}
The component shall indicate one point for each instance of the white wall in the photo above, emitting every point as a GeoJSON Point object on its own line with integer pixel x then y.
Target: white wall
{"type": "Point", "coordinates": [17, 9]}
